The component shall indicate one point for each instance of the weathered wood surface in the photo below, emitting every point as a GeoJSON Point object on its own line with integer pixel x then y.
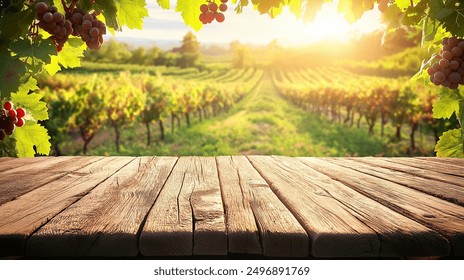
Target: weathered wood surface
{"type": "Point", "coordinates": [280, 232]}
{"type": "Point", "coordinates": [111, 213]}
{"type": "Point", "coordinates": [443, 216]}
{"type": "Point", "coordinates": [256, 205]}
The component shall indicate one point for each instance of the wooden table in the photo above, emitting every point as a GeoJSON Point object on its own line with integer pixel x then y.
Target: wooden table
{"type": "Point", "coordinates": [223, 206]}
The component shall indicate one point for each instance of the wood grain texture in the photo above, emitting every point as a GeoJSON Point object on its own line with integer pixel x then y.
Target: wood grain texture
{"type": "Point", "coordinates": [32, 173]}
{"type": "Point", "coordinates": [281, 234]}
{"type": "Point", "coordinates": [451, 192]}
{"type": "Point", "coordinates": [9, 163]}
{"type": "Point", "coordinates": [4, 160]}
{"type": "Point", "coordinates": [168, 229]}
{"type": "Point", "coordinates": [420, 170]}
{"type": "Point", "coordinates": [399, 235]}
{"type": "Point", "coordinates": [332, 229]}
{"type": "Point", "coordinates": [24, 215]}
{"type": "Point", "coordinates": [445, 167]}
{"type": "Point", "coordinates": [442, 216]}
{"type": "Point", "coordinates": [210, 234]}
{"type": "Point", "coordinates": [107, 220]}
{"type": "Point", "coordinates": [242, 230]}
{"type": "Point", "coordinates": [451, 161]}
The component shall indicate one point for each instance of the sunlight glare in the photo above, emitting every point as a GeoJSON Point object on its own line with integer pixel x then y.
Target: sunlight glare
{"type": "Point", "coordinates": [251, 27]}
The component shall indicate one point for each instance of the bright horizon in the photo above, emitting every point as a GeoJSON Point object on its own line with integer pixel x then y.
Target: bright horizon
{"type": "Point", "coordinates": [252, 28]}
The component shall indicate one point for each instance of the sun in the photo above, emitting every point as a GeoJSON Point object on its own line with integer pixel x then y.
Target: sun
{"type": "Point", "coordinates": [328, 24]}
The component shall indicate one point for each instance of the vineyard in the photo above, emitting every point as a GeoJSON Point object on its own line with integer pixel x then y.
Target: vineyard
{"type": "Point", "coordinates": [352, 99]}
{"type": "Point", "coordinates": [84, 104]}
{"type": "Point", "coordinates": [38, 39]}
{"type": "Point", "coordinates": [102, 109]}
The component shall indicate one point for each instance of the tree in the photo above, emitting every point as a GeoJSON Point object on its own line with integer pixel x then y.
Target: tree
{"type": "Point", "coordinates": [242, 55]}
{"type": "Point", "coordinates": [190, 51]}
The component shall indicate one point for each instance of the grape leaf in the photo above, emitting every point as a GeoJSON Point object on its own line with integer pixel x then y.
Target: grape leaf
{"type": "Point", "coordinates": [68, 57]}
{"type": "Point", "coordinates": [27, 84]}
{"type": "Point", "coordinates": [190, 12]}
{"type": "Point", "coordinates": [450, 144]}
{"type": "Point", "coordinates": [30, 135]}
{"type": "Point", "coordinates": [40, 49]}
{"type": "Point", "coordinates": [15, 25]}
{"type": "Point", "coordinates": [352, 11]}
{"type": "Point", "coordinates": [32, 103]}
{"type": "Point", "coordinates": [295, 7]}
{"type": "Point", "coordinates": [131, 12]}
{"type": "Point", "coordinates": [165, 4]}
{"type": "Point", "coordinates": [446, 104]}
{"type": "Point", "coordinates": [403, 4]}
{"type": "Point", "coordinates": [11, 70]}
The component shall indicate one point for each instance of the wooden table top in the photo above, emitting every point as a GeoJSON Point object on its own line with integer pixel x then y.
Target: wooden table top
{"type": "Point", "coordinates": [268, 206]}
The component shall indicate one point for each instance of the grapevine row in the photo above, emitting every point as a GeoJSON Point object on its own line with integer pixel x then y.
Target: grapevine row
{"type": "Point", "coordinates": [348, 98]}
{"type": "Point", "coordinates": [87, 105]}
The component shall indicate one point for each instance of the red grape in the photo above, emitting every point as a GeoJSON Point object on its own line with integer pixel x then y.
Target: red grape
{"type": "Point", "coordinates": [8, 105]}
{"type": "Point", "coordinates": [21, 112]}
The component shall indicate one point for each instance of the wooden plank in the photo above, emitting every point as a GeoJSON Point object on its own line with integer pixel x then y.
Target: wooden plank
{"type": "Point", "coordinates": [32, 174]}
{"type": "Point", "coordinates": [196, 222]}
{"type": "Point", "coordinates": [452, 161]}
{"type": "Point", "coordinates": [168, 229]}
{"type": "Point", "coordinates": [5, 159]}
{"type": "Point", "coordinates": [247, 197]}
{"type": "Point", "coordinates": [210, 234]}
{"type": "Point", "coordinates": [242, 231]}
{"type": "Point", "coordinates": [398, 235]}
{"type": "Point", "coordinates": [23, 216]}
{"type": "Point", "coordinates": [106, 221]}
{"type": "Point", "coordinates": [447, 191]}
{"type": "Point", "coordinates": [9, 163]}
{"type": "Point", "coordinates": [442, 216]}
{"type": "Point", "coordinates": [324, 218]}
{"type": "Point", "coordinates": [454, 172]}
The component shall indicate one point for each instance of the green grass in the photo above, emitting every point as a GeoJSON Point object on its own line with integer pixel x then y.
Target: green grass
{"type": "Point", "coordinates": [262, 123]}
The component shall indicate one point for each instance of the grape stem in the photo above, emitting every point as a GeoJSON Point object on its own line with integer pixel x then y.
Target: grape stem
{"type": "Point", "coordinates": [71, 6]}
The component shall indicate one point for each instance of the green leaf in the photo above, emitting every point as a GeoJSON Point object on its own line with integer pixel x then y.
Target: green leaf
{"type": "Point", "coordinates": [190, 12]}
{"type": "Point", "coordinates": [295, 7]}
{"type": "Point", "coordinates": [69, 57]}
{"type": "Point", "coordinates": [30, 135]}
{"type": "Point", "coordinates": [40, 49]}
{"type": "Point", "coordinates": [446, 104]}
{"type": "Point", "coordinates": [15, 25]}
{"type": "Point", "coordinates": [33, 105]}
{"type": "Point", "coordinates": [403, 4]}
{"type": "Point", "coordinates": [28, 85]}
{"type": "Point", "coordinates": [353, 10]}
{"type": "Point", "coordinates": [450, 144]}
{"type": "Point", "coordinates": [54, 66]}
{"type": "Point", "coordinates": [165, 4]}
{"type": "Point", "coordinates": [132, 12]}
{"type": "Point", "coordinates": [11, 70]}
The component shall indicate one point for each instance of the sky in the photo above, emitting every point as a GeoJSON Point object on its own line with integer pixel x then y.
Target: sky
{"type": "Point", "coordinates": [251, 27]}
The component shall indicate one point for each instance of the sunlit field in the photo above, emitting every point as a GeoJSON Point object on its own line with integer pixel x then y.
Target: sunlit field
{"type": "Point", "coordinates": [249, 86]}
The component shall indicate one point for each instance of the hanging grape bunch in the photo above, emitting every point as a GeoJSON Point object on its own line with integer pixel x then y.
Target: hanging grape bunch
{"type": "Point", "coordinates": [76, 22]}
{"type": "Point", "coordinates": [449, 70]}
{"type": "Point", "coordinates": [54, 23]}
{"type": "Point", "coordinates": [10, 118]}
{"type": "Point", "coordinates": [88, 27]}
{"type": "Point", "coordinates": [211, 11]}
